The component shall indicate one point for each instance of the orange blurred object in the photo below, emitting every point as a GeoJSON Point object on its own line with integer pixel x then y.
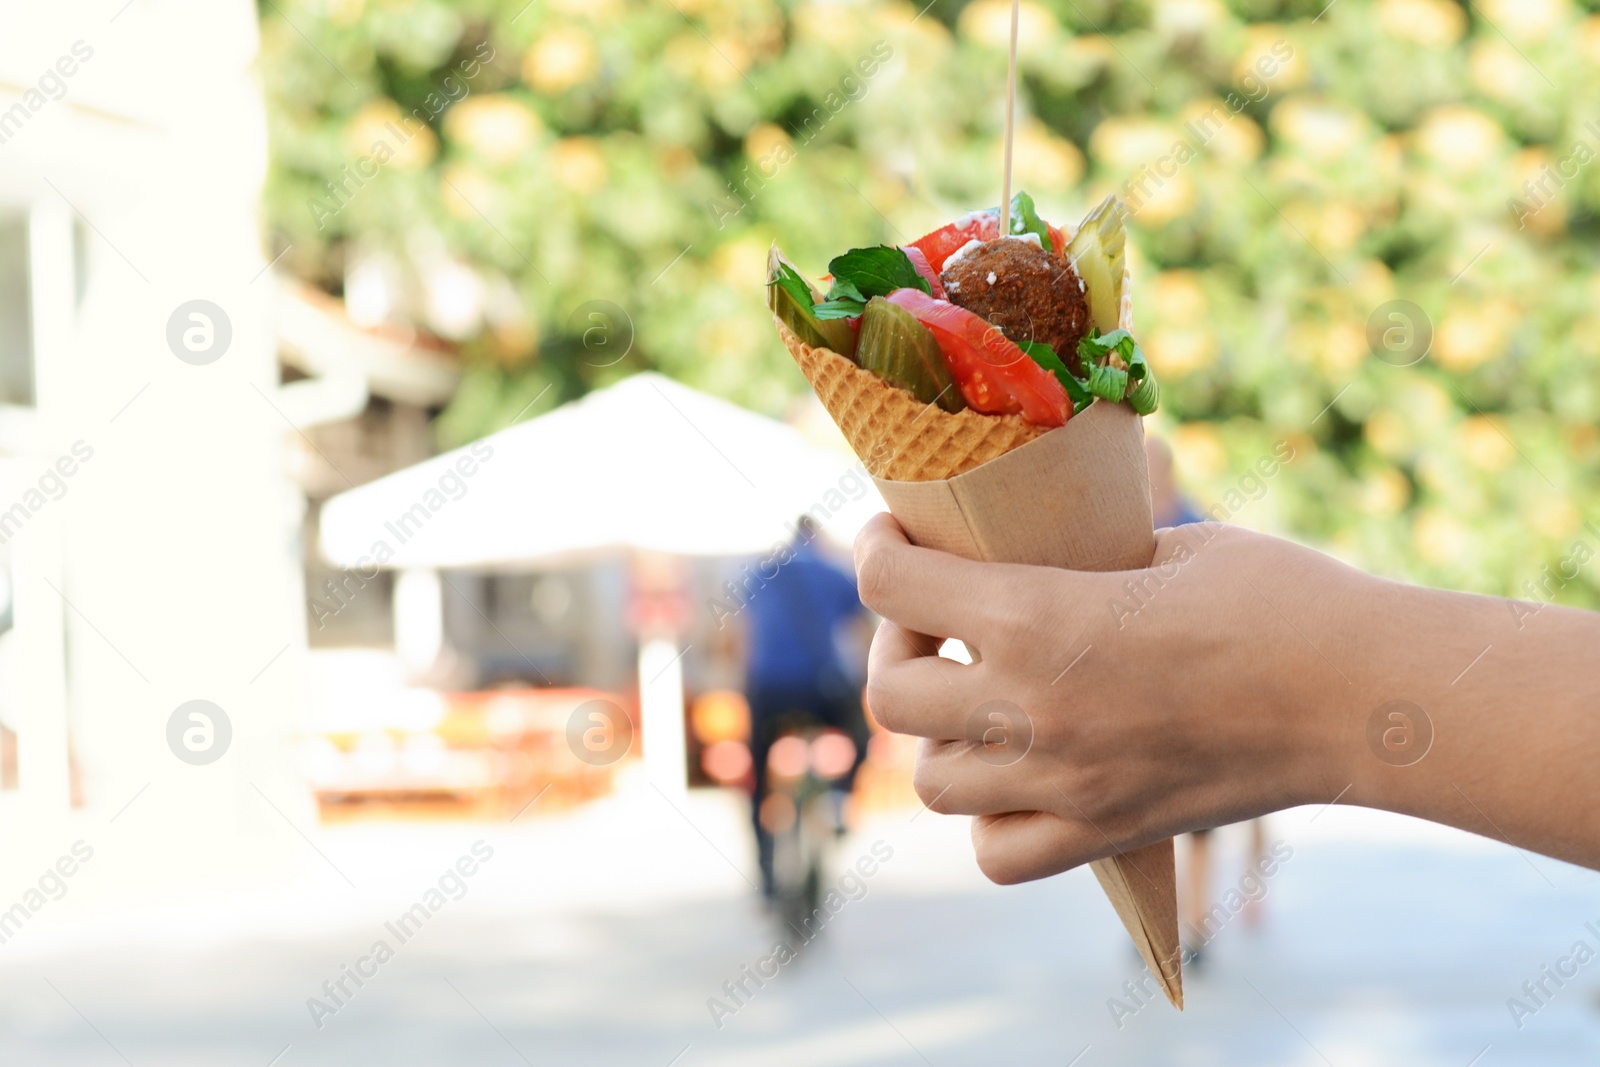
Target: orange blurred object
{"type": "Point", "coordinates": [832, 754]}
{"type": "Point", "coordinates": [726, 762]}
{"type": "Point", "coordinates": [720, 715]}
{"type": "Point", "coordinates": [789, 757]}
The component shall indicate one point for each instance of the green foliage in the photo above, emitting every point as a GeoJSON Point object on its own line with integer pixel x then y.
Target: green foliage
{"type": "Point", "coordinates": [1290, 167]}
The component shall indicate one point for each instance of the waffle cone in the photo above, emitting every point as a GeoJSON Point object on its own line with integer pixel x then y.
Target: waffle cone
{"type": "Point", "coordinates": [897, 436]}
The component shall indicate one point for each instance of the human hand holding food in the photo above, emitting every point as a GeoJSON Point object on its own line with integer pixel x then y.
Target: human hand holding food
{"type": "Point", "coordinates": [1241, 675]}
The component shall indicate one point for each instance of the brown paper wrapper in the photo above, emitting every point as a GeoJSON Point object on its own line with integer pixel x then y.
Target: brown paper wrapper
{"type": "Point", "coordinates": [1076, 497]}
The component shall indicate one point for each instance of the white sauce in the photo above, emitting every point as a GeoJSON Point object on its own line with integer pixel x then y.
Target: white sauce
{"type": "Point", "coordinates": [955, 257]}
{"type": "Point", "coordinates": [1033, 237]}
{"type": "Point", "coordinates": [991, 277]}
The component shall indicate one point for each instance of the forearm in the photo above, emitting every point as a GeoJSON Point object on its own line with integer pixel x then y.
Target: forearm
{"type": "Point", "coordinates": [1511, 696]}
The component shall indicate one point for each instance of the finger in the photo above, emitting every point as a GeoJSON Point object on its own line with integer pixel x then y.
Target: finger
{"type": "Point", "coordinates": [911, 690]}
{"type": "Point", "coordinates": [927, 591]}
{"type": "Point", "coordinates": [1020, 846]}
{"type": "Point", "coordinates": [972, 778]}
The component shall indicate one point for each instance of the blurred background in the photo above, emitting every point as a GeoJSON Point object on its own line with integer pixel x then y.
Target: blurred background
{"type": "Point", "coordinates": [391, 423]}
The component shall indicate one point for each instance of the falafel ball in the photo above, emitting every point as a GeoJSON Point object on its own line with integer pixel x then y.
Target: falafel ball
{"type": "Point", "coordinates": [1031, 294]}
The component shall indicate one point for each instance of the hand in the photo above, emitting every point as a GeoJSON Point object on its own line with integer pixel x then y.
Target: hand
{"type": "Point", "coordinates": [1234, 677]}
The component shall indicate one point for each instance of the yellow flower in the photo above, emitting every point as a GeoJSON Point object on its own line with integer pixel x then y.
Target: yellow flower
{"type": "Point", "coordinates": [1526, 20]}
{"type": "Point", "coordinates": [1210, 125]}
{"type": "Point", "coordinates": [1460, 139]}
{"type": "Point", "coordinates": [1589, 39]}
{"type": "Point", "coordinates": [1541, 204]}
{"type": "Point", "coordinates": [1125, 142]}
{"type": "Point", "coordinates": [495, 126]}
{"type": "Point", "coordinates": [1431, 23]}
{"type": "Point", "coordinates": [1484, 444]}
{"type": "Point", "coordinates": [989, 22]}
{"type": "Point", "coordinates": [1339, 226]}
{"type": "Point", "coordinates": [1044, 161]}
{"type": "Point", "coordinates": [1176, 296]}
{"type": "Point", "coordinates": [1439, 537]}
{"type": "Point", "coordinates": [1388, 432]}
{"type": "Point", "coordinates": [1322, 129]}
{"type": "Point", "coordinates": [1498, 70]}
{"type": "Point", "coordinates": [381, 130]}
{"type": "Point", "coordinates": [1383, 494]}
{"type": "Point", "coordinates": [560, 59]}
{"type": "Point", "coordinates": [1188, 17]}
{"type": "Point", "coordinates": [577, 164]}
{"type": "Point", "coordinates": [1470, 335]}
{"type": "Point", "coordinates": [1177, 352]}
{"type": "Point", "coordinates": [464, 190]}
{"type": "Point", "coordinates": [1553, 516]}
{"type": "Point", "coordinates": [767, 144]}
{"type": "Point", "coordinates": [738, 262]}
{"type": "Point", "coordinates": [1271, 59]}
{"type": "Point", "coordinates": [1197, 452]}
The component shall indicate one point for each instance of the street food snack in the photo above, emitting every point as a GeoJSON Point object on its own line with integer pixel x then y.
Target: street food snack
{"type": "Point", "coordinates": [992, 387]}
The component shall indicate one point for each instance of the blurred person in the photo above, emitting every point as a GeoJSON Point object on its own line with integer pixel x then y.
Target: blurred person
{"type": "Point", "coordinates": [797, 673]}
{"type": "Point", "coordinates": [1270, 676]}
{"type": "Point", "coordinates": [1170, 507]}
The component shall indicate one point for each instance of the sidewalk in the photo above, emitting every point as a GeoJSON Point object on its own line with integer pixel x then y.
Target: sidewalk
{"type": "Point", "coordinates": [599, 938]}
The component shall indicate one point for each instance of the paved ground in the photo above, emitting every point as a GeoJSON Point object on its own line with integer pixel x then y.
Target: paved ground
{"type": "Point", "coordinates": [598, 938]}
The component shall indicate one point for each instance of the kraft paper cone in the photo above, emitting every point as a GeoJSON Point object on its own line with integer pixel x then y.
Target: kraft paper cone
{"type": "Point", "coordinates": [1076, 497]}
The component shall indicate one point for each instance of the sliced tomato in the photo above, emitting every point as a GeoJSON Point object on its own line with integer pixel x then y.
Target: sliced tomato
{"type": "Point", "coordinates": [919, 260]}
{"type": "Point", "coordinates": [942, 243]}
{"type": "Point", "coordinates": [994, 375]}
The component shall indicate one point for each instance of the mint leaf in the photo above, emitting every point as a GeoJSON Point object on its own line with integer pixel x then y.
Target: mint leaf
{"type": "Point", "coordinates": [863, 273]}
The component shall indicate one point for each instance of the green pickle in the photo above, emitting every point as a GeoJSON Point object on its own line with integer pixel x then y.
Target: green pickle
{"type": "Point", "coordinates": [900, 350]}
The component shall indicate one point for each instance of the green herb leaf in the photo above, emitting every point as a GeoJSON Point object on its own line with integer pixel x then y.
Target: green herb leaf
{"type": "Point", "coordinates": [1046, 357]}
{"type": "Point", "coordinates": [841, 308]}
{"type": "Point", "coordinates": [1025, 219]}
{"type": "Point", "coordinates": [1108, 382]}
{"type": "Point", "coordinates": [788, 279]}
{"type": "Point", "coordinates": [863, 273]}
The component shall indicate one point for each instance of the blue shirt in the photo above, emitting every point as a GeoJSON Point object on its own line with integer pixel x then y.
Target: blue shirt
{"type": "Point", "coordinates": [794, 616]}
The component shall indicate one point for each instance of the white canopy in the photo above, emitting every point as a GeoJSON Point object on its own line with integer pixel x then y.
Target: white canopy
{"type": "Point", "coordinates": [647, 463]}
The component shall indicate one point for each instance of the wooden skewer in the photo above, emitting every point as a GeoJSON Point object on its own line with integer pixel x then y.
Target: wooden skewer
{"type": "Point", "coordinates": [1011, 106]}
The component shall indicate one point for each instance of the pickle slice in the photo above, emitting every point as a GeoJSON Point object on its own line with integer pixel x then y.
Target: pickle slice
{"type": "Point", "coordinates": [900, 350]}
{"type": "Point", "coordinates": [834, 334]}
{"type": "Point", "coordinates": [1098, 250]}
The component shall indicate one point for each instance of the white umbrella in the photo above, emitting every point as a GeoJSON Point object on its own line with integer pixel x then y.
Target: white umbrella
{"type": "Point", "coordinates": [645, 464]}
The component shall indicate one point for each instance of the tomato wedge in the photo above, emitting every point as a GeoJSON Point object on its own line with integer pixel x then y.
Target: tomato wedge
{"type": "Point", "coordinates": [994, 375]}
{"type": "Point", "coordinates": [943, 243]}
